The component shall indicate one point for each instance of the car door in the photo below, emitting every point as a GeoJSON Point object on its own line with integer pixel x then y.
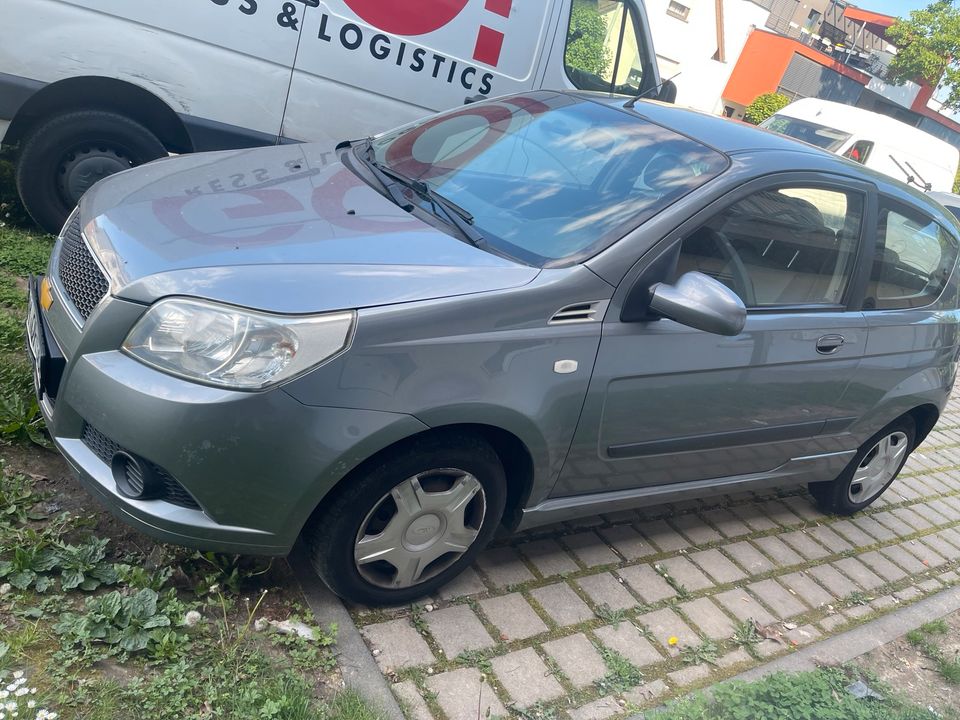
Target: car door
{"type": "Point", "coordinates": [910, 305]}
{"type": "Point", "coordinates": [671, 404]}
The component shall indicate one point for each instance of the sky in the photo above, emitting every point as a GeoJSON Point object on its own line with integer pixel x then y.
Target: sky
{"type": "Point", "coordinates": [892, 7]}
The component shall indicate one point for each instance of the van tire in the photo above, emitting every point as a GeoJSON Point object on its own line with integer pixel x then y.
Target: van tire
{"type": "Point", "coordinates": [839, 497]}
{"type": "Point", "coordinates": [333, 533]}
{"type": "Point", "coordinates": [64, 155]}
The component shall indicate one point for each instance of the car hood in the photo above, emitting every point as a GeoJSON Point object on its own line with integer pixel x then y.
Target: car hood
{"type": "Point", "coordinates": [288, 229]}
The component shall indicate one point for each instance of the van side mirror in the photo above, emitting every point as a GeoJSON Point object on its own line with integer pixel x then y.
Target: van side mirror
{"type": "Point", "coordinates": [668, 92]}
{"type": "Point", "coordinates": [699, 301]}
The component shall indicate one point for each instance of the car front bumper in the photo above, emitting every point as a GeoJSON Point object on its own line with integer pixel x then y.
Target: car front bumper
{"type": "Point", "coordinates": [256, 463]}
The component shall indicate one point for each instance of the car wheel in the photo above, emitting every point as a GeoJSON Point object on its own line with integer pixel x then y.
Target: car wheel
{"type": "Point", "coordinates": [411, 522]}
{"type": "Point", "coordinates": [63, 157]}
{"type": "Point", "coordinates": [876, 465]}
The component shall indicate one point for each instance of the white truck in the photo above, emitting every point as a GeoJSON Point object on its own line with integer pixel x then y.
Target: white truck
{"type": "Point", "coordinates": [91, 87]}
{"type": "Point", "coordinates": [871, 139]}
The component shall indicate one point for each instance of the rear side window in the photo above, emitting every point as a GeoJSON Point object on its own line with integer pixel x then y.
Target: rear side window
{"type": "Point", "coordinates": [787, 246]}
{"type": "Point", "coordinates": [859, 151]}
{"type": "Point", "coordinates": [913, 261]}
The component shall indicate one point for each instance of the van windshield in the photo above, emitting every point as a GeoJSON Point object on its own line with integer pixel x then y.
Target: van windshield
{"type": "Point", "coordinates": [546, 177]}
{"type": "Point", "coordinates": [828, 138]}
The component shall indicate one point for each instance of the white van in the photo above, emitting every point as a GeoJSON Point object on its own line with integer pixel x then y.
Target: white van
{"type": "Point", "coordinates": [877, 141]}
{"type": "Point", "coordinates": [90, 87]}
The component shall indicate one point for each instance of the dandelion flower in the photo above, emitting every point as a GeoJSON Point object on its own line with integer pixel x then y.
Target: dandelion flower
{"type": "Point", "coordinates": [672, 640]}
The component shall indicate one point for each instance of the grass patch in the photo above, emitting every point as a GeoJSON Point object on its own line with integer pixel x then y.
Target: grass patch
{"type": "Point", "coordinates": [348, 705]}
{"type": "Point", "coordinates": [621, 673]}
{"type": "Point", "coordinates": [818, 695]}
{"type": "Point", "coordinates": [924, 639]}
{"type": "Point", "coordinates": [22, 252]}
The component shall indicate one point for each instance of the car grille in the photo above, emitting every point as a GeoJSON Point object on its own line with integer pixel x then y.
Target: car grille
{"type": "Point", "coordinates": [105, 448]}
{"type": "Point", "coordinates": [79, 273]}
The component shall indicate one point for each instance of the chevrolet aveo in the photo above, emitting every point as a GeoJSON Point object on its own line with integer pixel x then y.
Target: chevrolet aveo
{"type": "Point", "coordinates": [521, 311]}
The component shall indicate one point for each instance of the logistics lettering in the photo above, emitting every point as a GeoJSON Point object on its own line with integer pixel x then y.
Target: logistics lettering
{"type": "Point", "coordinates": [350, 36]}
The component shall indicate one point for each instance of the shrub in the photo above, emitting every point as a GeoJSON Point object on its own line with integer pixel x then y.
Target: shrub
{"type": "Point", "coordinates": [764, 106]}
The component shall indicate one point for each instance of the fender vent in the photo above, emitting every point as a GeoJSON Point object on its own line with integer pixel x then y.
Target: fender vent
{"type": "Point", "coordinates": [579, 313]}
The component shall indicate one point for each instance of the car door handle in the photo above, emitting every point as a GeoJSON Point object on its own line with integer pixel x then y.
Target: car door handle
{"type": "Point", "coordinates": [829, 344]}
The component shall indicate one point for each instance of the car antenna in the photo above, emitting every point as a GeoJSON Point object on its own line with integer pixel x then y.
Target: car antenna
{"type": "Point", "coordinates": [633, 101]}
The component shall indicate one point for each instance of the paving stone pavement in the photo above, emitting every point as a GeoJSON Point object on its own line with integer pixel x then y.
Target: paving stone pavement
{"type": "Point", "coordinates": [551, 621]}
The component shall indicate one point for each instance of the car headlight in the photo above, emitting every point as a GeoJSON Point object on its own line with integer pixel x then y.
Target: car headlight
{"type": "Point", "coordinates": [232, 347]}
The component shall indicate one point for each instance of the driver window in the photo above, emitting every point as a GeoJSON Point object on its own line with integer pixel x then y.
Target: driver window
{"type": "Point", "coordinates": [603, 50]}
{"type": "Point", "coordinates": [780, 247]}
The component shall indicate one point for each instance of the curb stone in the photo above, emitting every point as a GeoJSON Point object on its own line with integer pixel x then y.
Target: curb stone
{"type": "Point", "coordinates": [359, 669]}
{"type": "Point", "coordinates": [857, 641]}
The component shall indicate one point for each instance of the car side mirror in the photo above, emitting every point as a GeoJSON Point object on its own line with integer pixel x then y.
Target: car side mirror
{"type": "Point", "coordinates": [668, 92]}
{"type": "Point", "coordinates": [699, 301]}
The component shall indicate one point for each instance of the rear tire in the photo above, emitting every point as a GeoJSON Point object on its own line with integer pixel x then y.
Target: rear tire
{"type": "Point", "coordinates": [410, 523]}
{"type": "Point", "coordinates": [876, 465]}
{"type": "Point", "coordinates": [65, 155]}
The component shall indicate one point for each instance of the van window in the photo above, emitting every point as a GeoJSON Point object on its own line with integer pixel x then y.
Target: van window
{"type": "Point", "coordinates": [914, 259]}
{"type": "Point", "coordinates": [780, 247]}
{"type": "Point", "coordinates": [828, 138]}
{"type": "Point", "coordinates": [859, 151]}
{"type": "Point", "coordinates": [603, 49]}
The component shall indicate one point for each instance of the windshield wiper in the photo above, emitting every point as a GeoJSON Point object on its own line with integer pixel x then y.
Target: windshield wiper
{"type": "Point", "coordinates": [457, 216]}
{"type": "Point", "coordinates": [392, 187]}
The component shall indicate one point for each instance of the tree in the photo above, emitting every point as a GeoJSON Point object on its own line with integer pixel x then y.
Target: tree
{"type": "Point", "coordinates": [763, 106]}
{"type": "Point", "coordinates": [928, 46]}
{"type": "Point", "coordinates": [586, 42]}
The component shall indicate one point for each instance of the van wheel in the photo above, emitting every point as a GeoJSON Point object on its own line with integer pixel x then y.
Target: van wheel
{"type": "Point", "coordinates": [62, 158]}
{"type": "Point", "coordinates": [412, 522]}
{"type": "Point", "coordinates": [876, 465]}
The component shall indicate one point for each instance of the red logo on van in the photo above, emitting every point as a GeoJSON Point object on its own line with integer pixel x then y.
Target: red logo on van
{"type": "Point", "coordinates": [402, 17]}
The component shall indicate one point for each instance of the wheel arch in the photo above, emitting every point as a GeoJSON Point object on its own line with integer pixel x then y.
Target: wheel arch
{"type": "Point", "coordinates": [925, 416]}
{"type": "Point", "coordinates": [513, 453]}
{"type": "Point", "coordinates": [102, 93]}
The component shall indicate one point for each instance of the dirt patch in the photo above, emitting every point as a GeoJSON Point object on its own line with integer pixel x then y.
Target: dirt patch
{"type": "Point", "coordinates": [912, 673]}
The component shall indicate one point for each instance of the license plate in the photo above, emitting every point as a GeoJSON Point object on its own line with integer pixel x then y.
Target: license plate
{"type": "Point", "coordinates": [36, 346]}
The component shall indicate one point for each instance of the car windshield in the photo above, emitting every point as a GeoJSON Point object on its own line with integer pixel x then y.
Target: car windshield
{"type": "Point", "coordinates": [547, 177]}
{"type": "Point", "coordinates": [828, 138]}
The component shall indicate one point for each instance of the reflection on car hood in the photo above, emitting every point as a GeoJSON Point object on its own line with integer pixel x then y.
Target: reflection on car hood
{"type": "Point", "coordinates": [288, 229]}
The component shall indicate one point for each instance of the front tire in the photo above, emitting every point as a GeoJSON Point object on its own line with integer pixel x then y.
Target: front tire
{"type": "Point", "coordinates": [876, 465]}
{"type": "Point", "coordinates": [411, 522]}
{"type": "Point", "coordinates": [62, 157]}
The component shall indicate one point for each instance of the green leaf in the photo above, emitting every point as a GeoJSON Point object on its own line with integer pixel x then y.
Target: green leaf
{"type": "Point", "coordinates": [21, 580]}
{"type": "Point", "coordinates": [157, 621]}
{"type": "Point", "coordinates": [71, 579]}
{"type": "Point", "coordinates": [134, 639]}
{"type": "Point", "coordinates": [43, 583]}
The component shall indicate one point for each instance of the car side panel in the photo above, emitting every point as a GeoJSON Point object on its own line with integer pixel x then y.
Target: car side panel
{"type": "Point", "coordinates": [485, 359]}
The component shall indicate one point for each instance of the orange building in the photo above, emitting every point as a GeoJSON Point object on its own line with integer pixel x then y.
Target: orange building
{"type": "Point", "coordinates": [811, 65]}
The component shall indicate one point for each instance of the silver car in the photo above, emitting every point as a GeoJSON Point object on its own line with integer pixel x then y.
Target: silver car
{"type": "Point", "coordinates": [521, 311]}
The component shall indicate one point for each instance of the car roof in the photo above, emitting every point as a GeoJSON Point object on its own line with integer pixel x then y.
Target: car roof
{"type": "Point", "coordinates": [733, 138]}
{"type": "Point", "coordinates": [724, 134]}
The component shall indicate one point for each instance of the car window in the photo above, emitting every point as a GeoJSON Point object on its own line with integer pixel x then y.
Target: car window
{"type": "Point", "coordinates": [547, 176]}
{"type": "Point", "coordinates": [913, 261]}
{"type": "Point", "coordinates": [859, 151]}
{"type": "Point", "coordinates": [780, 247]}
{"type": "Point", "coordinates": [603, 50]}
{"type": "Point", "coordinates": [828, 138]}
